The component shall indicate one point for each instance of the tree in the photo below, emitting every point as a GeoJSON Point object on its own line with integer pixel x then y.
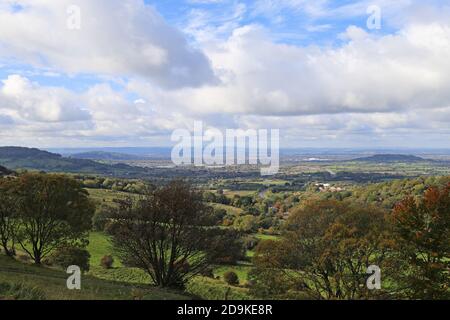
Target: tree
{"type": "Point", "coordinates": [8, 210]}
{"type": "Point", "coordinates": [163, 233]}
{"type": "Point", "coordinates": [327, 246]}
{"type": "Point", "coordinates": [225, 246]}
{"type": "Point", "coordinates": [422, 230]}
{"type": "Point", "coordinates": [53, 211]}
{"type": "Point", "coordinates": [247, 223]}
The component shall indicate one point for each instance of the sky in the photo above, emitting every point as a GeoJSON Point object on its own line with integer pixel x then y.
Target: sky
{"type": "Point", "coordinates": [121, 73]}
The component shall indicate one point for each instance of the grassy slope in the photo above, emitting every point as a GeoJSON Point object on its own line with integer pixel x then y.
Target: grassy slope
{"type": "Point", "coordinates": [53, 283]}
{"type": "Point", "coordinates": [199, 286]}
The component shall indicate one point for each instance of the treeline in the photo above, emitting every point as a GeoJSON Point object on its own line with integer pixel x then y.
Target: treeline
{"type": "Point", "coordinates": [115, 184]}
{"type": "Point", "coordinates": [328, 245]}
{"type": "Point", "coordinates": [257, 214]}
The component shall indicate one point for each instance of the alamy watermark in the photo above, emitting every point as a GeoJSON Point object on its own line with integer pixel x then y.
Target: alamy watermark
{"type": "Point", "coordinates": [212, 147]}
{"type": "Point", "coordinates": [374, 280]}
{"type": "Point", "coordinates": [374, 20]}
{"type": "Point", "coordinates": [74, 280]}
{"type": "Point", "coordinates": [73, 17]}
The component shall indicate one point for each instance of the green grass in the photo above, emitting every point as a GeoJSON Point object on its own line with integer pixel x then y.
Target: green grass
{"type": "Point", "coordinates": [267, 237]}
{"type": "Point", "coordinates": [99, 246]}
{"type": "Point", "coordinates": [211, 289]}
{"type": "Point", "coordinates": [52, 284]}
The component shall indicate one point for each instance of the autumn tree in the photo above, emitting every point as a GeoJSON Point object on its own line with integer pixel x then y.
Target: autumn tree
{"type": "Point", "coordinates": [8, 221]}
{"type": "Point", "coordinates": [422, 229]}
{"type": "Point", "coordinates": [164, 233]}
{"type": "Point", "coordinates": [326, 249]}
{"type": "Point", "coordinates": [53, 211]}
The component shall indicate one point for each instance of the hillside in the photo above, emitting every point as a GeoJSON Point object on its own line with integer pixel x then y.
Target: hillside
{"type": "Point", "coordinates": [35, 159]}
{"type": "Point", "coordinates": [103, 155]}
{"type": "Point", "coordinates": [386, 158]}
{"type": "Point", "coordinates": [52, 284]}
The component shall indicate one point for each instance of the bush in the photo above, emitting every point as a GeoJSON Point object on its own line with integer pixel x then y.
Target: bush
{"type": "Point", "coordinates": [71, 256]}
{"type": "Point", "coordinates": [101, 218]}
{"type": "Point", "coordinates": [19, 291]}
{"type": "Point", "coordinates": [107, 262]}
{"type": "Point", "coordinates": [231, 278]}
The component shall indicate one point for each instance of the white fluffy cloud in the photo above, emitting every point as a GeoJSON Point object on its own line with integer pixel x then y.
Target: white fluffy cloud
{"type": "Point", "coordinates": [34, 103]}
{"type": "Point", "coordinates": [116, 37]}
{"type": "Point", "coordinates": [32, 114]}
{"type": "Point", "coordinates": [405, 71]}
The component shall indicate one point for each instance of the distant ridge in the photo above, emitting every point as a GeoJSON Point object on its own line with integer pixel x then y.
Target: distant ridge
{"type": "Point", "coordinates": [390, 158]}
{"type": "Point", "coordinates": [104, 155]}
{"type": "Point", "coordinates": [35, 159]}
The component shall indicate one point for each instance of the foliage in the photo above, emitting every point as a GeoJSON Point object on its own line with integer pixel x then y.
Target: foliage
{"type": "Point", "coordinates": [67, 256]}
{"type": "Point", "coordinates": [246, 223]}
{"type": "Point", "coordinates": [54, 211]}
{"type": "Point", "coordinates": [422, 230]}
{"type": "Point", "coordinates": [101, 218]}
{"type": "Point", "coordinates": [164, 234]}
{"type": "Point", "coordinates": [327, 246]}
{"type": "Point", "coordinates": [225, 247]}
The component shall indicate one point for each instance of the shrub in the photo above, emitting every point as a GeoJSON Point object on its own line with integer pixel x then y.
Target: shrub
{"type": "Point", "coordinates": [101, 218]}
{"type": "Point", "coordinates": [68, 256]}
{"type": "Point", "coordinates": [19, 291]}
{"type": "Point", "coordinates": [107, 262]}
{"type": "Point", "coordinates": [231, 278]}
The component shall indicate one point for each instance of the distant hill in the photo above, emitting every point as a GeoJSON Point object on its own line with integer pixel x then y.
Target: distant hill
{"type": "Point", "coordinates": [103, 155]}
{"type": "Point", "coordinates": [391, 158]}
{"type": "Point", "coordinates": [35, 159]}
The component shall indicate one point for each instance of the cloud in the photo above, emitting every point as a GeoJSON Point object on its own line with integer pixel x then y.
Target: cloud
{"type": "Point", "coordinates": [116, 37]}
{"type": "Point", "coordinates": [35, 114]}
{"type": "Point", "coordinates": [31, 102]}
{"type": "Point", "coordinates": [367, 73]}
